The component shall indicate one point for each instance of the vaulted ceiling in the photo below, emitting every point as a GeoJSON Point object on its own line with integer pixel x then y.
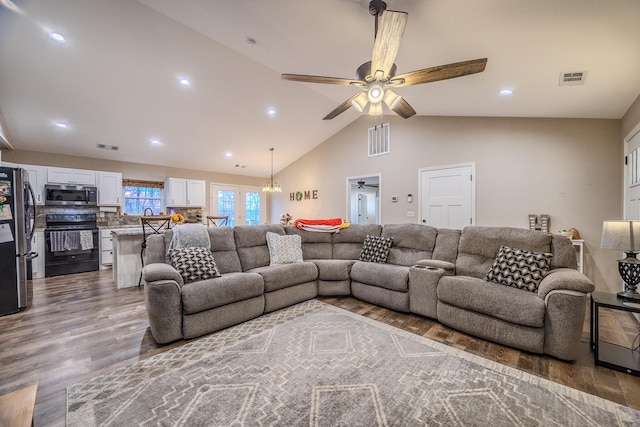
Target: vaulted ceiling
{"type": "Point", "coordinates": [115, 80]}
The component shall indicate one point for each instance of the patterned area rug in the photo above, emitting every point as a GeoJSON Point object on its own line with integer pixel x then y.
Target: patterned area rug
{"type": "Point", "coordinates": [317, 365]}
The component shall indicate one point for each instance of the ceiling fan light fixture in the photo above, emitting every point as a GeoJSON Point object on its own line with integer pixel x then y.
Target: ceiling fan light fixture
{"type": "Point", "coordinates": [391, 98]}
{"type": "Point", "coordinates": [360, 101]}
{"type": "Point", "coordinates": [375, 93]}
{"type": "Point", "coordinates": [375, 109]}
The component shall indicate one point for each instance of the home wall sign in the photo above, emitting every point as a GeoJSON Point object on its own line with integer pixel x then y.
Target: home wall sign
{"type": "Point", "coordinates": [298, 196]}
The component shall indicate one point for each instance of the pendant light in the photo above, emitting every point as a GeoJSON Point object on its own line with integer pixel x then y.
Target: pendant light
{"type": "Point", "coordinates": [270, 186]}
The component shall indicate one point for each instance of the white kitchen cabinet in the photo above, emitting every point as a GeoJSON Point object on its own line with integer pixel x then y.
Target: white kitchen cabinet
{"type": "Point", "coordinates": [106, 248]}
{"type": "Point", "coordinates": [37, 179]}
{"type": "Point", "coordinates": [71, 176]}
{"type": "Point", "coordinates": [182, 192]}
{"type": "Point", "coordinates": [196, 190]}
{"type": "Point", "coordinates": [109, 188]}
{"type": "Point", "coordinates": [37, 264]}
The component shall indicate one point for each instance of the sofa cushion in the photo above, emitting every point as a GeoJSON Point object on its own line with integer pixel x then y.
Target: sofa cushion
{"type": "Point", "coordinates": [223, 290]}
{"type": "Point", "coordinates": [314, 245]}
{"type": "Point", "coordinates": [284, 249]}
{"type": "Point", "coordinates": [479, 246]}
{"type": "Point", "coordinates": [223, 248]}
{"type": "Point", "coordinates": [506, 303]}
{"type": "Point", "coordinates": [520, 269]}
{"type": "Point", "coordinates": [388, 276]}
{"type": "Point", "coordinates": [194, 263]}
{"type": "Point", "coordinates": [411, 243]}
{"type": "Point", "coordinates": [347, 244]}
{"type": "Point", "coordinates": [333, 269]}
{"type": "Point", "coordinates": [284, 275]}
{"type": "Point", "coordinates": [375, 249]}
{"type": "Point", "coordinates": [251, 244]}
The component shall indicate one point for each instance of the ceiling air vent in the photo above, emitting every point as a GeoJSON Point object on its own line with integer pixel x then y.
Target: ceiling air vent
{"type": "Point", "coordinates": [379, 140]}
{"type": "Point", "coordinates": [107, 147]}
{"type": "Point", "coordinates": [575, 78]}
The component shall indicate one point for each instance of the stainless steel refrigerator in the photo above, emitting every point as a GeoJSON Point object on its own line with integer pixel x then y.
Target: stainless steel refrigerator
{"type": "Point", "coordinates": [17, 218]}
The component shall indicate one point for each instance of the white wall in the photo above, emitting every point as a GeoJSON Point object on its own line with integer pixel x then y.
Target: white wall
{"type": "Point", "coordinates": [570, 169]}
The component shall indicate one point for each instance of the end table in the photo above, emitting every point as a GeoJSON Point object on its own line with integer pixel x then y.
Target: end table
{"type": "Point", "coordinates": [607, 354]}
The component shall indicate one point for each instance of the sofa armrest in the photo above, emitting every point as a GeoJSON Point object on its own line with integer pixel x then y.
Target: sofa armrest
{"type": "Point", "coordinates": [447, 266]}
{"type": "Point", "coordinates": [564, 292]}
{"type": "Point", "coordinates": [160, 271]}
{"type": "Point", "coordinates": [565, 279]}
{"type": "Point", "coordinates": [163, 299]}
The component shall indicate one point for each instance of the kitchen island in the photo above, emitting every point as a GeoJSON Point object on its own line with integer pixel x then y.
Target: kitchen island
{"type": "Point", "coordinates": [127, 265]}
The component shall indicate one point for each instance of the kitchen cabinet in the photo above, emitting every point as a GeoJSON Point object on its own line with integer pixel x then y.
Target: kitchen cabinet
{"type": "Point", "coordinates": [182, 192]}
{"type": "Point", "coordinates": [106, 248]}
{"type": "Point", "coordinates": [37, 264]}
{"type": "Point", "coordinates": [109, 188]}
{"type": "Point", "coordinates": [37, 179]}
{"type": "Point", "coordinates": [71, 176]}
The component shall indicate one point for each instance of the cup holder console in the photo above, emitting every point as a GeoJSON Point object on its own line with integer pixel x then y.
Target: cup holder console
{"type": "Point", "coordinates": [427, 268]}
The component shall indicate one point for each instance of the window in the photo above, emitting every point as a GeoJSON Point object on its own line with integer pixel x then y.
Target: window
{"type": "Point", "coordinates": [142, 195]}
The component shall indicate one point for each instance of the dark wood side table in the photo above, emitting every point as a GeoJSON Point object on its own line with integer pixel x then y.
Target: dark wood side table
{"type": "Point", "coordinates": [607, 354]}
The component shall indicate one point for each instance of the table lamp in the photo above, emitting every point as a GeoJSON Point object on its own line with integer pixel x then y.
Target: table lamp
{"type": "Point", "coordinates": [621, 235]}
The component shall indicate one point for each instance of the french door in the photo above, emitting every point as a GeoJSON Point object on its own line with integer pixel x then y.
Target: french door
{"type": "Point", "coordinates": [243, 205]}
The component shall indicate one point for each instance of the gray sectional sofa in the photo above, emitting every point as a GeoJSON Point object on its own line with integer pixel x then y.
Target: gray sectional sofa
{"type": "Point", "coordinates": [437, 273]}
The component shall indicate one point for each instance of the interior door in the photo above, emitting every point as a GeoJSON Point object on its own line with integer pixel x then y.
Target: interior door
{"type": "Point", "coordinates": [632, 177]}
{"type": "Point", "coordinates": [447, 196]}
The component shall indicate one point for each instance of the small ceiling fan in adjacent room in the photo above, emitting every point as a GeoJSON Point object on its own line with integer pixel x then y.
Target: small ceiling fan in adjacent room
{"type": "Point", "coordinates": [378, 76]}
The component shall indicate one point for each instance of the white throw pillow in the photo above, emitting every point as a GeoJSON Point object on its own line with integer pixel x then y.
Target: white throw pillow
{"type": "Point", "coordinates": [284, 249]}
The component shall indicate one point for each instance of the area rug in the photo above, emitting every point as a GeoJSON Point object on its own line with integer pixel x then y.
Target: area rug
{"type": "Point", "coordinates": [317, 365]}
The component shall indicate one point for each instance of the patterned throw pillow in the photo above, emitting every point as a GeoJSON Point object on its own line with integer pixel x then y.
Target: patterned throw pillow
{"type": "Point", "coordinates": [284, 249]}
{"type": "Point", "coordinates": [519, 268]}
{"type": "Point", "coordinates": [375, 249]}
{"type": "Point", "coordinates": [194, 263]}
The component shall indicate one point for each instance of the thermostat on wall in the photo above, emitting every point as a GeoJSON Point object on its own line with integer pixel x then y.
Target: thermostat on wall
{"type": "Point", "coordinates": [394, 198]}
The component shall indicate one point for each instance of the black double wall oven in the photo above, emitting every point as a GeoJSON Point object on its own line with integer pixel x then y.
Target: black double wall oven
{"type": "Point", "coordinates": [72, 244]}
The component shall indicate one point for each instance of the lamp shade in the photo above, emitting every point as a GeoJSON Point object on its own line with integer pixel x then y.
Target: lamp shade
{"type": "Point", "coordinates": [621, 235]}
{"type": "Point", "coordinates": [360, 101]}
{"type": "Point", "coordinates": [391, 98]}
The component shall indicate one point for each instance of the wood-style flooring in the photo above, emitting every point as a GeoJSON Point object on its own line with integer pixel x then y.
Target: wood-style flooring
{"type": "Point", "coordinates": [80, 325]}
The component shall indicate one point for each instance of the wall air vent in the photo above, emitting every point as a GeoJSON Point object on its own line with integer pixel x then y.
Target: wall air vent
{"type": "Point", "coordinates": [575, 78]}
{"type": "Point", "coordinates": [107, 147]}
{"type": "Point", "coordinates": [379, 140]}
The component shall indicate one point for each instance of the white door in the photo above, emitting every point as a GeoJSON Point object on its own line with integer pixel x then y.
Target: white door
{"type": "Point", "coordinates": [447, 196]}
{"type": "Point", "coordinates": [632, 177]}
{"type": "Point", "coordinates": [243, 205]}
{"type": "Point", "coordinates": [366, 208]}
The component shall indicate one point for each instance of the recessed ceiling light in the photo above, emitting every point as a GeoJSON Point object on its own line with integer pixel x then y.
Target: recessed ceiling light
{"type": "Point", "coordinates": [155, 141]}
{"type": "Point", "coordinates": [271, 112]}
{"type": "Point", "coordinates": [506, 92]}
{"type": "Point", "coordinates": [184, 81]}
{"type": "Point", "coordinates": [227, 154]}
{"type": "Point", "coordinates": [56, 37]}
{"type": "Point", "coordinates": [61, 125]}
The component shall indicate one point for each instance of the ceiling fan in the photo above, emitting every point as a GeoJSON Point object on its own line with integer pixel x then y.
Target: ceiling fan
{"type": "Point", "coordinates": [378, 76]}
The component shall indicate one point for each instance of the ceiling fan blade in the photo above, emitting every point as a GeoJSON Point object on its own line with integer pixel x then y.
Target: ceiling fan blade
{"type": "Point", "coordinates": [322, 79]}
{"type": "Point", "coordinates": [441, 72]}
{"type": "Point", "coordinates": [387, 42]}
{"type": "Point", "coordinates": [341, 108]}
{"type": "Point", "coordinates": [403, 109]}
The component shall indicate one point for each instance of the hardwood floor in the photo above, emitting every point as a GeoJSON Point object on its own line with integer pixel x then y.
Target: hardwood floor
{"type": "Point", "coordinates": [80, 326]}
